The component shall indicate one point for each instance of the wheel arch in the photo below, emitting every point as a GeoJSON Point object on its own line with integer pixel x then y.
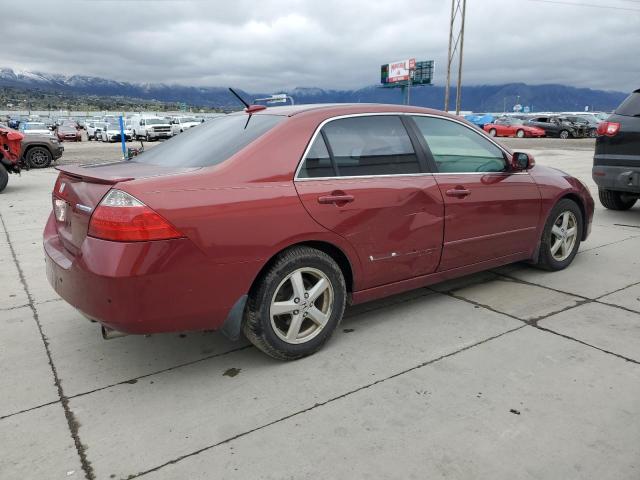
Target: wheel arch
{"type": "Point", "coordinates": [34, 145]}
{"type": "Point", "coordinates": [330, 249]}
{"type": "Point", "coordinates": [578, 200]}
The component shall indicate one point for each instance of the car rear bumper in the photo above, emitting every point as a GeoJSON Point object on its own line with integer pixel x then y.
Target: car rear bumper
{"type": "Point", "coordinates": [144, 287]}
{"type": "Point", "coordinates": [622, 178]}
{"type": "Point", "coordinates": [57, 152]}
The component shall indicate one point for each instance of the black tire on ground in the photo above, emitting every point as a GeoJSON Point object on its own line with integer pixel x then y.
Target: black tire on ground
{"type": "Point", "coordinates": [493, 132]}
{"type": "Point", "coordinates": [4, 177]}
{"type": "Point", "coordinates": [520, 134]}
{"type": "Point", "coordinates": [147, 138]}
{"type": "Point", "coordinates": [546, 259]}
{"type": "Point", "coordinates": [257, 323]}
{"type": "Point", "coordinates": [39, 157]}
{"type": "Point", "coordinates": [564, 134]}
{"type": "Point", "coordinates": [616, 200]}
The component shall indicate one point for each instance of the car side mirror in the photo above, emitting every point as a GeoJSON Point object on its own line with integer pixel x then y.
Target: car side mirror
{"type": "Point", "coordinates": [522, 161]}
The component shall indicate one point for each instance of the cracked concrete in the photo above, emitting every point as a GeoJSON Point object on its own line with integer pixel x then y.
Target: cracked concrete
{"type": "Point", "coordinates": [421, 385]}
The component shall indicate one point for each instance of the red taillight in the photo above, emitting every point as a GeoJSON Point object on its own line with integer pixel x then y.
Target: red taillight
{"type": "Point", "coordinates": [123, 218]}
{"type": "Point", "coordinates": [609, 129]}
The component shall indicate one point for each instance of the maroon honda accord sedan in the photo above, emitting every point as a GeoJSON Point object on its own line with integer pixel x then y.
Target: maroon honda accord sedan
{"type": "Point", "coordinates": [268, 222]}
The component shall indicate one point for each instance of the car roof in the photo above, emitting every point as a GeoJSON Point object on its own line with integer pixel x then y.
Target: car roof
{"type": "Point", "coordinates": [328, 110]}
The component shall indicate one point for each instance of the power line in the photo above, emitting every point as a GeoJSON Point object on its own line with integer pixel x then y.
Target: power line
{"type": "Point", "coordinates": [590, 5]}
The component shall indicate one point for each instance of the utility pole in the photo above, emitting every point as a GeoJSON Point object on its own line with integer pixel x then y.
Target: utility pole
{"type": "Point", "coordinates": [456, 47]}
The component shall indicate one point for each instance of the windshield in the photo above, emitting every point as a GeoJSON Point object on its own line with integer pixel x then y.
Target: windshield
{"type": "Point", "coordinates": [212, 143]}
{"type": "Point", "coordinates": [35, 126]}
{"type": "Point", "coordinates": [155, 121]}
{"type": "Point", "coordinates": [113, 126]}
{"type": "Point", "coordinates": [187, 119]}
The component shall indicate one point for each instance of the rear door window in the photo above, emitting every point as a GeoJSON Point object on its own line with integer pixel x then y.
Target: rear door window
{"type": "Point", "coordinates": [212, 142]}
{"type": "Point", "coordinates": [317, 163]}
{"type": "Point", "coordinates": [371, 145]}
{"type": "Point", "coordinates": [631, 106]}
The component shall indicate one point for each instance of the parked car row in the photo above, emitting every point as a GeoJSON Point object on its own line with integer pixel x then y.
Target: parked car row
{"type": "Point", "coordinates": [560, 125]}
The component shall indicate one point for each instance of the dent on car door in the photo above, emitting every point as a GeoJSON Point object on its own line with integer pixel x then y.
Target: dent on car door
{"type": "Point", "coordinates": [363, 180]}
{"type": "Point", "coordinates": [490, 212]}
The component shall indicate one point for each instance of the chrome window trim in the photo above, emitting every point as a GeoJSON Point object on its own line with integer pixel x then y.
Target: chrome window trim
{"type": "Point", "coordinates": [378, 114]}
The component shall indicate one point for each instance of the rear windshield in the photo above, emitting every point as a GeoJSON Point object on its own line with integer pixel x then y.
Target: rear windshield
{"type": "Point", "coordinates": [212, 143]}
{"type": "Point", "coordinates": [631, 106]}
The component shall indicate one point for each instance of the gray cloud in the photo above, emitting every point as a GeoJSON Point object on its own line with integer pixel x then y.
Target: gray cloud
{"type": "Point", "coordinates": [271, 44]}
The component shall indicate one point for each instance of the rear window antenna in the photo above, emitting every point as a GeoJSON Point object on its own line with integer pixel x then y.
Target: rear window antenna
{"type": "Point", "coordinates": [239, 97]}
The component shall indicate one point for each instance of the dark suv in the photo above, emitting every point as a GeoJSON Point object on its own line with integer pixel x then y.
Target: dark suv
{"type": "Point", "coordinates": [616, 164]}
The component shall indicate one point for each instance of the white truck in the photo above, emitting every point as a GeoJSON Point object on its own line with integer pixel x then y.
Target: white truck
{"type": "Point", "coordinates": [180, 124]}
{"type": "Point", "coordinates": [150, 127]}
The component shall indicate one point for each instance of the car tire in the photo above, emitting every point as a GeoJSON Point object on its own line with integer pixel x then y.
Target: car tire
{"type": "Point", "coordinates": [147, 137]}
{"type": "Point", "coordinates": [564, 134]}
{"type": "Point", "coordinates": [520, 134]}
{"type": "Point", "coordinates": [287, 283]}
{"type": "Point", "coordinates": [561, 236]}
{"type": "Point", "coordinates": [39, 157]}
{"type": "Point", "coordinates": [615, 200]}
{"type": "Point", "coordinates": [493, 132]}
{"type": "Point", "coordinates": [4, 177]}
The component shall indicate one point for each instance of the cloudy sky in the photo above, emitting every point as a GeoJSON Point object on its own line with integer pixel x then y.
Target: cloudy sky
{"type": "Point", "coordinates": [270, 44]}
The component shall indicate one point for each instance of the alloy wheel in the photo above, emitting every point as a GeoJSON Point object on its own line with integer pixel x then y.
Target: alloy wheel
{"type": "Point", "coordinates": [301, 305]}
{"type": "Point", "coordinates": [564, 234]}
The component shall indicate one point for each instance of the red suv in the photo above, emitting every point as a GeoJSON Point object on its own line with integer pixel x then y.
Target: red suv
{"type": "Point", "coordinates": [268, 222]}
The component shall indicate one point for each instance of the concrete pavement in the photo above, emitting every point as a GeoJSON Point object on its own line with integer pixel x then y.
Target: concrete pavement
{"type": "Point", "coordinates": [510, 374]}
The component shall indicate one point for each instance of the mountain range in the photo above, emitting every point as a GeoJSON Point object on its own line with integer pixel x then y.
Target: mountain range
{"type": "Point", "coordinates": [477, 98]}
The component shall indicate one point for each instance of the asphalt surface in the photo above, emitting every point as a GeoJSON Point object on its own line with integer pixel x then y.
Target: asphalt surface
{"type": "Point", "coordinates": [510, 374]}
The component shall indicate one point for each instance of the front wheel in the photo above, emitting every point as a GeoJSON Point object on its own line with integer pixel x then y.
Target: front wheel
{"type": "Point", "coordinates": [520, 134]}
{"type": "Point", "coordinates": [296, 305]}
{"type": "Point", "coordinates": [39, 157]}
{"type": "Point", "coordinates": [616, 200]}
{"type": "Point", "coordinates": [561, 236]}
{"type": "Point", "coordinates": [493, 132]}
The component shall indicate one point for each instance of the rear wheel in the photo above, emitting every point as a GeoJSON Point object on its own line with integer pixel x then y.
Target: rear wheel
{"type": "Point", "coordinates": [564, 134]}
{"type": "Point", "coordinates": [493, 132]}
{"type": "Point", "coordinates": [297, 304]}
{"type": "Point", "coordinates": [561, 236]}
{"type": "Point", "coordinates": [616, 200]}
{"type": "Point", "coordinates": [39, 157]}
{"type": "Point", "coordinates": [4, 177]}
{"type": "Point", "coordinates": [520, 134]}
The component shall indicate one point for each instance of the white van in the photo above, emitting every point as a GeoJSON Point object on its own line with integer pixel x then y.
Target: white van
{"type": "Point", "coordinates": [150, 127]}
{"type": "Point", "coordinates": [180, 124]}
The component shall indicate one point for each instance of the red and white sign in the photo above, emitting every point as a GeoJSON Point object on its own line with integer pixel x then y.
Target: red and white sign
{"type": "Point", "coordinates": [399, 71]}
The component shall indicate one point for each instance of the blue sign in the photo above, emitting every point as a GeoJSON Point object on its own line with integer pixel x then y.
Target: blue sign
{"type": "Point", "coordinates": [526, 110]}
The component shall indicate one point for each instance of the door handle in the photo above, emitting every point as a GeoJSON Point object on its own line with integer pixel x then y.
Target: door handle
{"type": "Point", "coordinates": [337, 199]}
{"type": "Point", "coordinates": [458, 192]}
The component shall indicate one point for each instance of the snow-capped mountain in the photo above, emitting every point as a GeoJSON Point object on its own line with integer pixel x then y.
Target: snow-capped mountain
{"type": "Point", "coordinates": [476, 98]}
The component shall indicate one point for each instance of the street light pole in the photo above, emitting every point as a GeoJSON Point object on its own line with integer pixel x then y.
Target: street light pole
{"type": "Point", "coordinates": [456, 46]}
{"type": "Point", "coordinates": [448, 85]}
{"type": "Point", "coordinates": [459, 89]}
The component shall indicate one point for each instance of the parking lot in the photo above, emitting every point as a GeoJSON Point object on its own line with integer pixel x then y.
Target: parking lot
{"type": "Point", "coordinates": [510, 374]}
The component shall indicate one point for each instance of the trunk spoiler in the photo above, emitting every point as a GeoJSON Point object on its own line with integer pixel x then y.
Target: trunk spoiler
{"type": "Point", "coordinates": [83, 173]}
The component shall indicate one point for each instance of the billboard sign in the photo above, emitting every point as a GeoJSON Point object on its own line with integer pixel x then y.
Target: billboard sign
{"type": "Point", "coordinates": [398, 71]}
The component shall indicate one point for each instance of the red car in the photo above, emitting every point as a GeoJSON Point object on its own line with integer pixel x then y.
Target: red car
{"type": "Point", "coordinates": [269, 221]}
{"type": "Point", "coordinates": [512, 127]}
{"type": "Point", "coordinates": [68, 132]}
